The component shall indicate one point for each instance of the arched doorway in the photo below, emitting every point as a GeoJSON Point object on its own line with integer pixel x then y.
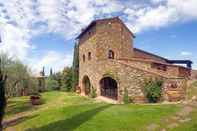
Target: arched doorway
{"type": "Point", "coordinates": [86, 85]}
{"type": "Point", "coordinates": [109, 88]}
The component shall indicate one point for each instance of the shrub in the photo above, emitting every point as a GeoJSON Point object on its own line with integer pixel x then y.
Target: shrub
{"type": "Point", "coordinates": [192, 90]}
{"type": "Point", "coordinates": [194, 84]}
{"type": "Point", "coordinates": [93, 93]}
{"type": "Point", "coordinates": [66, 88]}
{"type": "Point", "coordinates": [153, 90]}
{"type": "Point", "coordinates": [67, 79]}
{"type": "Point", "coordinates": [126, 96]}
{"type": "Point", "coordinates": [52, 84]}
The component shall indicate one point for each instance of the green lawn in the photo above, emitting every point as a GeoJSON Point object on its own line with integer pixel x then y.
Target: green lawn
{"type": "Point", "coordinates": [188, 126]}
{"type": "Point", "coordinates": [192, 90]}
{"type": "Point", "coordinates": [191, 125]}
{"type": "Point", "coordinates": [70, 112]}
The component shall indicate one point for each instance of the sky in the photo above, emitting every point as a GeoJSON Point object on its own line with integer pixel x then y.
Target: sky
{"type": "Point", "coordinates": [42, 32]}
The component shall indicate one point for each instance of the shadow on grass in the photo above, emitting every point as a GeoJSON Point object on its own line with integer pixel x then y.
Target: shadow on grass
{"type": "Point", "coordinates": [15, 107]}
{"type": "Point", "coordinates": [17, 120]}
{"type": "Point", "coordinates": [72, 123]}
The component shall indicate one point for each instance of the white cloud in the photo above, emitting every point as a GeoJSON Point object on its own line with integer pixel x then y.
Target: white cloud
{"type": "Point", "coordinates": [186, 53]}
{"type": "Point", "coordinates": [185, 8]}
{"type": "Point", "coordinates": [147, 18]}
{"type": "Point", "coordinates": [68, 17]}
{"type": "Point", "coordinates": [157, 1]}
{"type": "Point", "coordinates": [15, 41]}
{"type": "Point", "coordinates": [52, 59]}
{"type": "Point", "coordinates": [22, 20]}
{"type": "Point", "coordinates": [165, 13]}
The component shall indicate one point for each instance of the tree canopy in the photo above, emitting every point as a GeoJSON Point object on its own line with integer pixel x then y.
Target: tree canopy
{"type": "Point", "coordinates": [75, 66]}
{"type": "Point", "coordinates": [19, 77]}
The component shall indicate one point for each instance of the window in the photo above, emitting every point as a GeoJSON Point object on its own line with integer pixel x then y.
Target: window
{"type": "Point", "coordinates": [111, 54]}
{"type": "Point", "coordinates": [84, 58]}
{"type": "Point", "coordinates": [89, 56]}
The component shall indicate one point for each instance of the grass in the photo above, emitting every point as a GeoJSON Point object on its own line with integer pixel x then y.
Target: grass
{"type": "Point", "coordinates": [70, 112]}
{"type": "Point", "coordinates": [17, 105]}
{"type": "Point", "coordinates": [192, 90]}
{"type": "Point", "coordinates": [191, 125]}
{"type": "Point", "coordinates": [188, 126]}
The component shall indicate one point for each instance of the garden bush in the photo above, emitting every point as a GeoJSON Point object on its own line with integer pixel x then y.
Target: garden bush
{"type": "Point", "coordinates": [93, 93]}
{"type": "Point", "coordinates": [67, 79]}
{"type": "Point", "coordinates": [153, 90]}
{"type": "Point", "coordinates": [52, 84]}
{"type": "Point", "coordinates": [126, 96]}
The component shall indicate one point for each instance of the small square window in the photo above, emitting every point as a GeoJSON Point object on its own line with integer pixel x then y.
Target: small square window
{"type": "Point", "coordinates": [84, 58]}
{"type": "Point", "coordinates": [89, 56]}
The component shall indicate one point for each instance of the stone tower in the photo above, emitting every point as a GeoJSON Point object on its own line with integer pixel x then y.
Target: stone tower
{"type": "Point", "coordinates": [101, 40]}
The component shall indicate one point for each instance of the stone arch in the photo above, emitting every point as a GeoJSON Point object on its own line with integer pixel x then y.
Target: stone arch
{"type": "Point", "coordinates": [112, 75]}
{"type": "Point", "coordinates": [86, 85]}
{"type": "Point", "coordinates": [109, 87]}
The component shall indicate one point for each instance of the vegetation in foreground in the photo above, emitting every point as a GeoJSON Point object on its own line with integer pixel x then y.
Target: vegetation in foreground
{"type": "Point", "coordinates": [67, 112]}
{"type": "Point", "coordinates": [192, 90]}
{"type": "Point", "coordinates": [3, 78]}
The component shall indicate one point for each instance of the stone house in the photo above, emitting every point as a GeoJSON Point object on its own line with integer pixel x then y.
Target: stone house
{"type": "Point", "coordinates": [41, 81]}
{"type": "Point", "coordinates": [109, 63]}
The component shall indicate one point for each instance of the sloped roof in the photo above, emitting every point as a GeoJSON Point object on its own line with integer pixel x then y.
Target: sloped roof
{"type": "Point", "coordinates": [148, 53]}
{"type": "Point", "coordinates": [93, 23]}
{"type": "Point", "coordinates": [162, 58]}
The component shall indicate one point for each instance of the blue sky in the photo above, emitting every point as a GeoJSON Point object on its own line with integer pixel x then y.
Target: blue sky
{"type": "Point", "coordinates": [41, 33]}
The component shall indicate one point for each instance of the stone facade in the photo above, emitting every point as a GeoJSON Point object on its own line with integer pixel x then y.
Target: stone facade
{"type": "Point", "coordinates": [106, 51]}
{"type": "Point", "coordinates": [41, 81]}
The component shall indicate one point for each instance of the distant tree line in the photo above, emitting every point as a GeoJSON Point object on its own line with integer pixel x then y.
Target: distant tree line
{"type": "Point", "coordinates": [20, 80]}
{"type": "Point", "coordinates": [67, 79]}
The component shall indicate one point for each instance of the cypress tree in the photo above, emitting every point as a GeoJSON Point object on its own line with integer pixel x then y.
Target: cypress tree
{"type": "Point", "coordinates": [43, 71]}
{"type": "Point", "coordinates": [51, 72]}
{"type": "Point", "coordinates": [75, 66]}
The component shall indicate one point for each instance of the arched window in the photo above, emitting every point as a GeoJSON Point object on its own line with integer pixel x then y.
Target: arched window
{"type": "Point", "coordinates": [111, 54]}
{"type": "Point", "coordinates": [89, 56]}
{"type": "Point", "coordinates": [84, 58]}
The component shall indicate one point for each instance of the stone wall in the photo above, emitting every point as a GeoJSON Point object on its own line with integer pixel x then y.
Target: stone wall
{"type": "Point", "coordinates": [171, 70]}
{"type": "Point", "coordinates": [174, 89]}
{"type": "Point", "coordinates": [112, 35]}
{"type": "Point", "coordinates": [130, 78]}
{"type": "Point", "coordinates": [184, 72]}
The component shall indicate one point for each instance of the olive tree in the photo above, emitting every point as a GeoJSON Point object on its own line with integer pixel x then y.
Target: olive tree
{"type": "Point", "coordinates": [19, 77]}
